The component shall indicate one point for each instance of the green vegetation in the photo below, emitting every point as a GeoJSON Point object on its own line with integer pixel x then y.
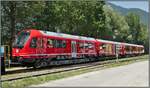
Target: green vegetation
{"type": "Point", "coordinates": [87, 18]}
{"type": "Point", "coordinates": [124, 11]}
{"type": "Point", "coordinates": [45, 78]}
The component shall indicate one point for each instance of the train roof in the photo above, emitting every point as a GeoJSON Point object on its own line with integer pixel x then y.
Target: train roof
{"type": "Point", "coordinates": [107, 41]}
{"type": "Point", "coordinates": [83, 38]}
{"type": "Point", "coordinates": [113, 42]}
{"type": "Point", "coordinates": [133, 45]}
{"type": "Point", "coordinates": [66, 35]}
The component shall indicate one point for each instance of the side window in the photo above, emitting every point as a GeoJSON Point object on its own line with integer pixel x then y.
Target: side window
{"type": "Point", "coordinates": [86, 45]}
{"type": "Point", "coordinates": [81, 45]}
{"type": "Point", "coordinates": [90, 45]}
{"type": "Point", "coordinates": [103, 46]}
{"type": "Point", "coordinates": [33, 43]}
{"type": "Point", "coordinates": [41, 41]}
{"type": "Point", "coordinates": [50, 43]}
{"type": "Point", "coordinates": [59, 43]}
{"type": "Point", "coordinates": [63, 44]}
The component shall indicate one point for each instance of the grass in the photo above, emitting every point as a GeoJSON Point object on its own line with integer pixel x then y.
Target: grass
{"type": "Point", "coordinates": [22, 83]}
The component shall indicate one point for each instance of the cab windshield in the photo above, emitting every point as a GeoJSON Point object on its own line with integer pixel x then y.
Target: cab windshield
{"type": "Point", "coordinates": [21, 39]}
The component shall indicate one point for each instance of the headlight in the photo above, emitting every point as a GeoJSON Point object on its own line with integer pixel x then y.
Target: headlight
{"type": "Point", "coordinates": [17, 50]}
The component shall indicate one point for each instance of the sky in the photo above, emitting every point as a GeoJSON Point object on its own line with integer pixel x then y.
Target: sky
{"type": "Point", "coordinates": [132, 4]}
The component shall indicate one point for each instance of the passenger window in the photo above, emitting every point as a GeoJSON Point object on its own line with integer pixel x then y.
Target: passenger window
{"type": "Point", "coordinates": [60, 43]}
{"type": "Point", "coordinates": [50, 43]}
{"type": "Point", "coordinates": [103, 46]}
{"type": "Point", "coordinates": [57, 43]}
{"type": "Point", "coordinates": [33, 43]}
{"type": "Point", "coordinates": [81, 45]}
{"type": "Point", "coordinates": [90, 45]}
{"type": "Point", "coordinates": [86, 45]}
{"type": "Point", "coordinates": [40, 42]}
{"type": "Point", "coordinates": [63, 44]}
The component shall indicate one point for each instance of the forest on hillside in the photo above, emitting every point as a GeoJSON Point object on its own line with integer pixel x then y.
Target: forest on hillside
{"type": "Point", "coordinates": [86, 18]}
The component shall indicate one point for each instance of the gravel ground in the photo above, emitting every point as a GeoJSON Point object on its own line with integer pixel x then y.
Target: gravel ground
{"type": "Point", "coordinates": [132, 75]}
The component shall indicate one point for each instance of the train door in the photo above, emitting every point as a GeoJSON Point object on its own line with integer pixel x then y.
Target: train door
{"type": "Point", "coordinates": [41, 47]}
{"type": "Point", "coordinates": [73, 49]}
{"type": "Point", "coordinates": [114, 49]}
{"type": "Point", "coordinates": [123, 49]}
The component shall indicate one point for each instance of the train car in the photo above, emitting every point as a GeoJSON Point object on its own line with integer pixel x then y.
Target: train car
{"type": "Point", "coordinates": [110, 48]}
{"type": "Point", "coordinates": [32, 47]}
{"type": "Point", "coordinates": [140, 49]}
{"type": "Point", "coordinates": [133, 49]}
{"type": "Point", "coordinates": [121, 49]}
{"type": "Point", "coordinates": [38, 48]}
{"type": "Point", "coordinates": [106, 48]}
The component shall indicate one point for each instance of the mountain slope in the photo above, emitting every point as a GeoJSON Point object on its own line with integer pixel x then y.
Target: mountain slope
{"type": "Point", "coordinates": [124, 11]}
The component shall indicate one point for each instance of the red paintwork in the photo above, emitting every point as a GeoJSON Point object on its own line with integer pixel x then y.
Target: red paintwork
{"type": "Point", "coordinates": [36, 53]}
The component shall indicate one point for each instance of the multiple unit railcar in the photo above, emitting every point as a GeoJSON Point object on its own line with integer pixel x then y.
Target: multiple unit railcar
{"type": "Point", "coordinates": [33, 46]}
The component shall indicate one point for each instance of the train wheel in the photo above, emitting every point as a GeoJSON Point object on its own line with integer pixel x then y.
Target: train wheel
{"type": "Point", "coordinates": [40, 63]}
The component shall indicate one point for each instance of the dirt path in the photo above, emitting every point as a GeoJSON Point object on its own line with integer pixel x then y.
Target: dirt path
{"type": "Point", "coordinates": [135, 74]}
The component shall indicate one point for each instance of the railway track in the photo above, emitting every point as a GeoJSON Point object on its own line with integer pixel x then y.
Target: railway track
{"type": "Point", "coordinates": [27, 73]}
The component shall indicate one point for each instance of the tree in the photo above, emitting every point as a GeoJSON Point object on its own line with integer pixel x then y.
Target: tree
{"type": "Point", "coordinates": [10, 9]}
{"type": "Point", "coordinates": [83, 18]}
{"type": "Point", "coordinates": [137, 30]}
{"type": "Point", "coordinates": [133, 21]}
{"type": "Point", "coordinates": [115, 25]}
{"type": "Point", "coordinates": [15, 17]}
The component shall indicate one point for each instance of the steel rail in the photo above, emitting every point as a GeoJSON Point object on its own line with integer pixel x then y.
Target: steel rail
{"type": "Point", "coordinates": [65, 69]}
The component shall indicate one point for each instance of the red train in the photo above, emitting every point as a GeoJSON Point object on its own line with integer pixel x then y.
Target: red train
{"type": "Point", "coordinates": [35, 46]}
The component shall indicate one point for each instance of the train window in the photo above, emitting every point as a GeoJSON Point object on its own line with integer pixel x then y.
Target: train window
{"type": "Point", "coordinates": [90, 45]}
{"type": "Point", "coordinates": [104, 45]}
{"type": "Point", "coordinates": [33, 43]}
{"type": "Point", "coordinates": [59, 43]}
{"type": "Point", "coordinates": [86, 45]}
{"type": "Point", "coordinates": [81, 45]}
{"type": "Point", "coordinates": [109, 48]}
{"type": "Point", "coordinates": [55, 43]}
{"type": "Point", "coordinates": [127, 49]}
{"type": "Point", "coordinates": [50, 43]}
{"type": "Point", "coordinates": [40, 42]}
{"type": "Point", "coordinates": [63, 44]}
{"type": "Point", "coordinates": [21, 39]}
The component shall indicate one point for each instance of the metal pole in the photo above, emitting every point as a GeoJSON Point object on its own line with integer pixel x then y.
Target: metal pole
{"type": "Point", "coordinates": [117, 50]}
{"type": "Point", "coordinates": [117, 57]}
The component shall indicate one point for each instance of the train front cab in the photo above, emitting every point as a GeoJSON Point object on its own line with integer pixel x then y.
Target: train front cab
{"type": "Point", "coordinates": [23, 46]}
{"type": "Point", "coordinates": [33, 45]}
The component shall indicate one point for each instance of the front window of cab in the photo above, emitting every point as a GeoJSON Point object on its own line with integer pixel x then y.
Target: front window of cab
{"type": "Point", "coordinates": [21, 39]}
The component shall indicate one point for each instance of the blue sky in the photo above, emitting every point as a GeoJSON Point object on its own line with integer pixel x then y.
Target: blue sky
{"type": "Point", "coordinates": [132, 4]}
